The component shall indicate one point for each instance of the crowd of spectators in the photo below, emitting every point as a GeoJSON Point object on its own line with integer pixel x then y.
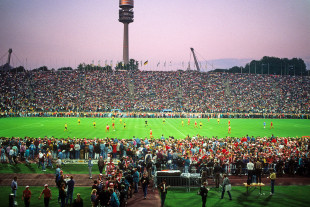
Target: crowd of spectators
{"type": "Point", "coordinates": [188, 91]}
{"type": "Point", "coordinates": [289, 154]}
{"type": "Point", "coordinates": [127, 161]}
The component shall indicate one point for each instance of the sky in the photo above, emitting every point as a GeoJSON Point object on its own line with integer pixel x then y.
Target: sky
{"type": "Point", "coordinates": [224, 33]}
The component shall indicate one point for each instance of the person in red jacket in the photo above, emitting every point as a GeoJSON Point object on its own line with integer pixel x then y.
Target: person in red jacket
{"type": "Point", "coordinates": [26, 196]}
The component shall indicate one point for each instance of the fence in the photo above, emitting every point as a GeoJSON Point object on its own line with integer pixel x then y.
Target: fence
{"type": "Point", "coordinates": [187, 180]}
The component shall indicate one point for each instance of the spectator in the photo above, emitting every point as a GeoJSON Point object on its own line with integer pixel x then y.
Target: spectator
{"type": "Point", "coordinates": [145, 182]}
{"type": "Point", "coordinates": [90, 166]}
{"type": "Point", "coordinates": [70, 186]}
{"type": "Point", "coordinates": [14, 186]}
{"type": "Point", "coordinates": [78, 201]}
{"type": "Point", "coordinates": [94, 198]}
{"type": "Point", "coordinates": [26, 196]}
{"type": "Point", "coordinates": [101, 164]}
{"type": "Point", "coordinates": [47, 195]}
{"type": "Point", "coordinates": [226, 187]}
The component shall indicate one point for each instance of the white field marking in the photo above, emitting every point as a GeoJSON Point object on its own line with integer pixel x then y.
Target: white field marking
{"type": "Point", "coordinates": [176, 129]}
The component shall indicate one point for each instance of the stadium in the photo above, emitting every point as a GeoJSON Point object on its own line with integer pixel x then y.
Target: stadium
{"type": "Point", "coordinates": [124, 136]}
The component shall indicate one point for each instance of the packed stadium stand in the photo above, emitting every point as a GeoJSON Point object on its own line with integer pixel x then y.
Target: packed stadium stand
{"type": "Point", "coordinates": [187, 91]}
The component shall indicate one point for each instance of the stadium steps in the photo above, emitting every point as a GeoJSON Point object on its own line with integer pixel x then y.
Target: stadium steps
{"type": "Point", "coordinates": [227, 88]}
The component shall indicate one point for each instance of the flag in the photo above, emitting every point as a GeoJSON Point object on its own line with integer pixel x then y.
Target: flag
{"type": "Point", "coordinates": [99, 63]}
{"type": "Point", "coordinates": [158, 64]}
{"type": "Point", "coordinates": [146, 62]}
{"type": "Point", "coordinates": [106, 62]}
{"type": "Point", "coordinates": [165, 63]}
{"type": "Point", "coordinates": [92, 63]}
{"type": "Point", "coordinates": [183, 64]}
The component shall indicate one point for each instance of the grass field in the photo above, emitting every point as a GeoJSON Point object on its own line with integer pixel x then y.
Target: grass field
{"type": "Point", "coordinates": [289, 196]}
{"type": "Point", "coordinates": [40, 127]}
{"type": "Point", "coordinates": [33, 168]}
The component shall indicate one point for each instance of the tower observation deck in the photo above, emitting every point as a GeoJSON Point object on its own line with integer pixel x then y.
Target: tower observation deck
{"type": "Point", "coordinates": [126, 17]}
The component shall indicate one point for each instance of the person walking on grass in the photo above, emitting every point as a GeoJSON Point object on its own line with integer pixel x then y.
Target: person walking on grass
{"type": "Point", "coordinates": [226, 187]}
{"type": "Point", "coordinates": [203, 192]}
{"type": "Point", "coordinates": [272, 181]}
{"type": "Point", "coordinates": [14, 186]}
{"type": "Point", "coordinates": [26, 196]}
{"type": "Point", "coordinates": [47, 195]}
{"type": "Point", "coordinates": [163, 191]}
{"type": "Point", "coordinates": [62, 195]}
{"type": "Point", "coordinates": [70, 186]}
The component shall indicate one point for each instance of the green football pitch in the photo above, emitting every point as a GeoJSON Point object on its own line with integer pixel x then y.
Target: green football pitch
{"type": "Point", "coordinates": [40, 127]}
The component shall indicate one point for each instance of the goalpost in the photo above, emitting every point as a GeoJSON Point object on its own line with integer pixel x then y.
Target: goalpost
{"type": "Point", "coordinates": [167, 113]}
{"type": "Point", "coordinates": [114, 112]}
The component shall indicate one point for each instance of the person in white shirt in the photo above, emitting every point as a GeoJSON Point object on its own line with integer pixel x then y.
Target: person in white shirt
{"type": "Point", "coordinates": [40, 163]}
{"type": "Point", "coordinates": [11, 154]}
{"type": "Point", "coordinates": [250, 167]}
{"type": "Point", "coordinates": [77, 148]}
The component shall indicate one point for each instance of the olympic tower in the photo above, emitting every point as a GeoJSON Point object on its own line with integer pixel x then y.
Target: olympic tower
{"type": "Point", "coordinates": [126, 17]}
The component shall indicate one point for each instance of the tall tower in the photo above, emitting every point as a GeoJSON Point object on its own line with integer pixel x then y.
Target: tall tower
{"type": "Point", "coordinates": [9, 57]}
{"type": "Point", "coordinates": [126, 17]}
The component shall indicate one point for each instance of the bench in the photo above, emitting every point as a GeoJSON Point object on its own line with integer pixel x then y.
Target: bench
{"type": "Point", "coordinates": [254, 185]}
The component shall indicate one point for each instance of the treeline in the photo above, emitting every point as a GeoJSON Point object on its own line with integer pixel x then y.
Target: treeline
{"type": "Point", "coordinates": [272, 65]}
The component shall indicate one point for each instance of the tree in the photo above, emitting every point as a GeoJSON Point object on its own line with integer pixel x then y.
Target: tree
{"type": "Point", "coordinates": [273, 65]}
{"type": "Point", "coordinates": [42, 68]}
{"type": "Point", "coordinates": [18, 69]}
{"type": "Point", "coordinates": [133, 65]}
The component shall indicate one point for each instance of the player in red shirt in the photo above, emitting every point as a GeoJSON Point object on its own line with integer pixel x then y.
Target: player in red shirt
{"type": "Point", "coordinates": [107, 128]}
{"type": "Point", "coordinates": [229, 129]}
{"type": "Point", "coordinates": [188, 121]}
{"type": "Point", "coordinates": [113, 126]}
{"type": "Point", "coordinates": [151, 133]}
{"type": "Point", "coordinates": [228, 122]}
{"type": "Point", "coordinates": [195, 124]}
{"type": "Point", "coordinates": [271, 125]}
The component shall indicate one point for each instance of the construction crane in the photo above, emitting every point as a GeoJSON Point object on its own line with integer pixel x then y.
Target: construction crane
{"type": "Point", "coordinates": [196, 62]}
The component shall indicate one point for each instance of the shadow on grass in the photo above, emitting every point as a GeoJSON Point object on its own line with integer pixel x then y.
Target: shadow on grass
{"type": "Point", "coordinates": [15, 168]}
{"type": "Point", "coordinates": [30, 168]}
{"type": "Point", "coordinates": [266, 201]}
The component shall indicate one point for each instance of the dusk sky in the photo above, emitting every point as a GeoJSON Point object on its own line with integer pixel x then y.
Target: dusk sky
{"type": "Point", "coordinates": [59, 33]}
